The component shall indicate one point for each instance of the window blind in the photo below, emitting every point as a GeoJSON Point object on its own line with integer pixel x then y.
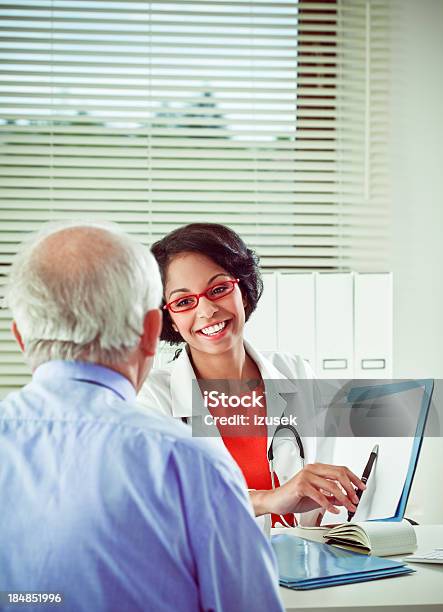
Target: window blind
{"type": "Point", "coordinates": [267, 116]}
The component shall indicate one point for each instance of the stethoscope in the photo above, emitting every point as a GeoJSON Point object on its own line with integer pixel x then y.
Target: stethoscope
{"type": "Point", "coordinates": [301, 451]}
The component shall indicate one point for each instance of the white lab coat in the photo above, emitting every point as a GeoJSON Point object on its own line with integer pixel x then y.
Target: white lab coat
{"type": "Point", "coordinates": [169, 390]}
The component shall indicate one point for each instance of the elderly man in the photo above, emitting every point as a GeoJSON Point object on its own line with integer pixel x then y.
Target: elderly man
{"type": "Point", "coordinates": [103, 506]}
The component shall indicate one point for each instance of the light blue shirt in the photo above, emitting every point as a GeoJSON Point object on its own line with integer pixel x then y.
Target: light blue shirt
{"type": "Point", "coordinates": [118, 510]}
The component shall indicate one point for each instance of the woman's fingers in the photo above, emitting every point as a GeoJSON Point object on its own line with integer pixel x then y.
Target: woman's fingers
{"type": "Point", "coordinates": [324, 502]}
{"type": "Point", "coordinates": [341, 474]}
{"type": "Point", "coordinates": [333, 489]}
{"type": "Point", "coordinates": [336, 472]}
{"type": "Point", "coordinates": [324, 484]}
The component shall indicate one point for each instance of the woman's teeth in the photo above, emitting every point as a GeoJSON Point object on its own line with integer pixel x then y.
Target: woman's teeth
{"type": "Point", "coordinates": [213, 329]}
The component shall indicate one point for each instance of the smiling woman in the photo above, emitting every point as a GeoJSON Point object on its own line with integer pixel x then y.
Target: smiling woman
{"type": "Point", "coordinates": [230, 259]}
{"type": "Point", "coordinates": [208, 325]}
{"type": "Point", "coordinates": [212, 284]}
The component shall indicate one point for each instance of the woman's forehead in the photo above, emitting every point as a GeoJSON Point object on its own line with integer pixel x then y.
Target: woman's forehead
{"type": "Point", "coordinates": [188, 270]}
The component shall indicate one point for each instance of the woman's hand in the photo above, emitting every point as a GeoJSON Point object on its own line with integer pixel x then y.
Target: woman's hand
{"type": "Point", "coordinates": [317, 485]}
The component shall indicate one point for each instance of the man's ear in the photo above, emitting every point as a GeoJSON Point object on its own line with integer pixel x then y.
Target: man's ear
{"type": "Point", "coordinates": [152, 326]}
{"type": "Point", "coordinates": [18, 336]}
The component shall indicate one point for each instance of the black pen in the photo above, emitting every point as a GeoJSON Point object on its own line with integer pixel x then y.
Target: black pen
{"type": "Point", "coordinates": [366, 473]}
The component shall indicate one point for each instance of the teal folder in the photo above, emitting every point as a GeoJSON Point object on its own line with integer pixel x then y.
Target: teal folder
{"type": "Point", "coordinates": [306, 565]}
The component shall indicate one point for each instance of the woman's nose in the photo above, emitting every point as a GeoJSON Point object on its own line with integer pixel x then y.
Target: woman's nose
{"type": "Point", "coordinates": [206, 308]}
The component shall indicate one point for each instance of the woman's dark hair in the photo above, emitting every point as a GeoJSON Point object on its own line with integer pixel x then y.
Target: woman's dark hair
{"type": "Point", "coordinates": [222, 245]}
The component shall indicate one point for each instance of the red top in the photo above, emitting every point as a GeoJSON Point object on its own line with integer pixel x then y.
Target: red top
{"type": "Point", "coordinates": [247, 443]}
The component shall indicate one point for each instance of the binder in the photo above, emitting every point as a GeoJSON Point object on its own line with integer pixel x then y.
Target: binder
{"type": "Point", "coordinates": [373, 325]}
{"type": "Point", "coordinates": [261, 329]}
{"type": "Point", "coordinates": [335, 333]}
{"type": "Point", "coordinates": [296, 315]}
{"type": "Point", "coordinates": [304, 564]}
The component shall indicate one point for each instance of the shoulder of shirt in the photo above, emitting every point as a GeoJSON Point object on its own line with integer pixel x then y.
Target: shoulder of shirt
{"type": "Point", "coordinates": [126, 423]}
{"type": "Point", "coordinates": [176, 436]}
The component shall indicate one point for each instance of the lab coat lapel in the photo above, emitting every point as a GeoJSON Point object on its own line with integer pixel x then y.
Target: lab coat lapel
{"type": "Point", "coordinates": [276, 384]}
{"type": "Point", "coordinates": [187, 401]}
{"type": "Point", "coordinates": [181, 383]}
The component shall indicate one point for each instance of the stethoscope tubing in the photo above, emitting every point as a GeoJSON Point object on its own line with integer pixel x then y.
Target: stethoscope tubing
{"type": "Point", "coordinates": [301, 449]}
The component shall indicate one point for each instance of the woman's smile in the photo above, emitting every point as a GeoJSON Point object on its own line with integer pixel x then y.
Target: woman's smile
{"type": "Point", "coordinates": [214, 331]}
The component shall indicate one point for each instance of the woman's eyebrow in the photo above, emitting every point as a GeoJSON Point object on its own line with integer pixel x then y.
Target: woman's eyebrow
{"type": "Point", "coordinates": [216, 276]}
{"type": "Point", "coordinates": [182, 289]}
{"type": "Point", "coordinates": [179, 291]}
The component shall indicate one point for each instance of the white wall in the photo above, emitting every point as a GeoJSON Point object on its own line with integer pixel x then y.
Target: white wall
{"type": "Point", "coordinates": [417, 224]}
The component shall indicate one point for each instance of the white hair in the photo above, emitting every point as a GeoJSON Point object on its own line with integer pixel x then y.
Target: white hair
{"type": "Point", "coordinates": [89, 302]}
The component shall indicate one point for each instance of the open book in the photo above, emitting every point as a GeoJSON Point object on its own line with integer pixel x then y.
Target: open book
{"type": "Point", "coordinates": [374, 537]}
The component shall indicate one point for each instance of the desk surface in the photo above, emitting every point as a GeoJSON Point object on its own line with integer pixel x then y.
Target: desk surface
{"type": "Point", "coordinates": [412, 593]}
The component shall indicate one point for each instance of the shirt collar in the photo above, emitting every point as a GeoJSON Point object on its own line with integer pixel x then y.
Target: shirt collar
{"type": "Point", "coordinates": [87, 372]}
{"type": "Point", "coordinates": [183, 375]}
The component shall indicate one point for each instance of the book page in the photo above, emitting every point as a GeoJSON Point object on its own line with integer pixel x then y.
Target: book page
{"type": "Point", "coordinates": [350, 531]}
{"type": "Point", "coordinates": [382, 538]}
{"type": "Point", "coordinates": [390, 538]}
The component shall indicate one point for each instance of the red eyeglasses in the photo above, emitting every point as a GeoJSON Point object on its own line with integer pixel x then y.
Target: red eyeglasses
{"type": "Point", "coordinates": [213, 293]}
